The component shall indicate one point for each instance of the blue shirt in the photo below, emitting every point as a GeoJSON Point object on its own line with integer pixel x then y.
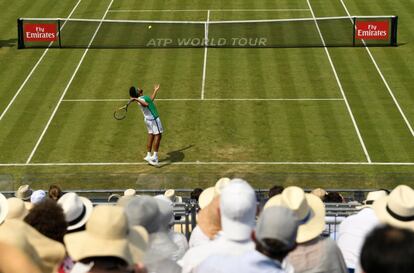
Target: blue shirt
{"type": "Point", "coordinates": [249, 262]}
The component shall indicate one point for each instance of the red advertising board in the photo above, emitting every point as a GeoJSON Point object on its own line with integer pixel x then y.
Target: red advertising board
{"type": "Point", "coordinates": [374, 30]}
{"type": "Point", "coordinates": [40, 32]}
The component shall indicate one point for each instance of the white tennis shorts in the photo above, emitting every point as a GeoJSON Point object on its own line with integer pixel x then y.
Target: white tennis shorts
{"type": "Point", "coordinates": [154, 126]}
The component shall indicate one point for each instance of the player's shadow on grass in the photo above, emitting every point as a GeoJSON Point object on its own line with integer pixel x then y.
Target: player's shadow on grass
{"type": "Point", "coordinates": [8, 43]}
{"type": "Point", "coordinates": [174, 156]}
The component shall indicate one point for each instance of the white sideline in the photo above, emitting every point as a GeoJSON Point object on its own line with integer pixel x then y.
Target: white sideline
{"type": "Point", "coordinates": [67, 86]}
{"type": "Point", "coordinates": [213, 99]}
{"type": "Point", "coordinates": [203, 83]}
{"type": "Point", "coordinates": [210, 163]}
{"type": "Point", "coordinates": [340, 87]}
{"type": "Point", "coordinates": [33, 69]}
{"type": "Point", "coordinates": [202, 10]}
{"type": "Point", "coordinates": [383, 78]}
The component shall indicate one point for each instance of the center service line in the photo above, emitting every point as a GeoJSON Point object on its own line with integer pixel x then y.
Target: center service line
{"type": "Point", "coordinates": [205, 55]}
{"type": "Point", "coordinates": [340, 87]}
{"type": "Point", "coordinates": [383, 78]}
{"type": "Point", "coordinates": [67, 87]}
{"type": "Point", "coordinates": [34, 68]}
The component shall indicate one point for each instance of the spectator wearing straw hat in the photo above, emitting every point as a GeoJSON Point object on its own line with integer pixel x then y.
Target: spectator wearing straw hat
{"type": "Point", "coordinates": [171, 195]}
{"type": "Point", "coordinates": [44, 252]}
{"type": "Point", "coordinates": [274, 237]}
{"type": "Point", "coordinates": [354, 228]}
{"type": "Point", "coordinates": [107, 242]}
{"type": "Point", "coordinates": [16, 209]}
{"type": "Point", "coordinates": [313, 253]}
{"type": "Point", "coordinates": [24, 192]}
{"type": "Point", "coordinates": [238, 211]}
{"type": "Point", "coordinates": [198, 237]}
{"type": "Point", "coordinates": [4, 208]}
{"type": "Point", "coordinates": [13, 260]}
{"type": "Point", "coordinates": [397, 209]}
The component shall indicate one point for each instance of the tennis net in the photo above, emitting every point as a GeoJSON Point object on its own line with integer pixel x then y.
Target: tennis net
{"type": "Point", "coordinates": [302, 32]}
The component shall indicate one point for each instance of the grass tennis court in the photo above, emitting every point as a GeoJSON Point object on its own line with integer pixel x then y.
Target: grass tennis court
{"type": "Point", "coordinates": [339, 117]}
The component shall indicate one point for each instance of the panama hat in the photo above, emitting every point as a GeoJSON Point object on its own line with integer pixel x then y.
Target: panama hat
{"type": "Point", "coordinates": [17, 208]}
{"type": "Point", "coordinates": [130, 192]}
{"type": "Point", "coordinates": [3, 208]}
{"type": "Point", "coordinates": [319, 192]}
{"type": "Point", "coordinates": [208, 194]}
{"type": "Point", "coordinates": [24, 192]}
{"type": "Point", "coordinates": [170, 194]}
{"type": "Point", "coordinates": [143, 211]}
{"type": "Point", "coordinates": [77, 209]}
{"type": "Point", "coordinates": [308, 208]}
{"type": "Point", "coordinates": [107, 234]}
{"type": "Point", "coordinates": [372, 196]}
{"type": "Point", "coordinates": [48, 254]}
{"type": "Point", "coordinates": [397, 209]}
{"type": "Point", "coordinates": [220, 184]}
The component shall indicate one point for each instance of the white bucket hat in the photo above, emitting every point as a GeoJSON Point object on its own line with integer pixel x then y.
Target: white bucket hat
{"type": "Point", "coordinates": [308, 208]}
{"type": "Point", "coordinates": [107, 234]}
{"type": "Point", "coordinates": [77, 209]}
{"type": "Point", "coordinates": [397, 209]}
{"type": "Point", "coordinates": [4, 208]}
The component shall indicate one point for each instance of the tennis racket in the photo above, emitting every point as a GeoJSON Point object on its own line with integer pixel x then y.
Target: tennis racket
{"type": "Point", "coordinates": [121, 112]}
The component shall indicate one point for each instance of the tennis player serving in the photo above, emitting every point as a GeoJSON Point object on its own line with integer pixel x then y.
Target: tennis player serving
{"type": "Point", "coordinates": [152, 121]}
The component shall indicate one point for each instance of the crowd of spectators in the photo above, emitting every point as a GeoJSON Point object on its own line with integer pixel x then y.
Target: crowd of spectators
{"type": "Point", "coordinates": [63, 232]}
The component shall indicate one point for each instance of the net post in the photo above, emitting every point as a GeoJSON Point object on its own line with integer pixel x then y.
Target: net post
{"type": "Point", "coordinates": [20, 36]}
{"type": "Point", "coordinates": [394, 24]}
{"type": "Point", "coordinates": [60, 42]}
{"type": "Point", "coordinates": [353, 32]}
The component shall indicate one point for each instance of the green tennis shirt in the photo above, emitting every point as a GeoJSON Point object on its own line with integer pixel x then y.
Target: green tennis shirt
{"type": "Point", "coordinates": [150, 112]}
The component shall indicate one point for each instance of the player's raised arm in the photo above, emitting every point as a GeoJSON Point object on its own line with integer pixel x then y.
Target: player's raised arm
{"type": "Point", "coordinates": [154, 92]}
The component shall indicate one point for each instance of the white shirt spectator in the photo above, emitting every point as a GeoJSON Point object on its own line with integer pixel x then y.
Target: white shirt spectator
{"type": "Point", "coordinates": [251, 261]}
{"type": "Point", "coordinates": [221, 245]}
{"type": "Point", "coordinates": [352, 232]}
{"type": "Point", "coordinates": [198, 237]}
{"type": "Point", "coordinates": [181, 242]}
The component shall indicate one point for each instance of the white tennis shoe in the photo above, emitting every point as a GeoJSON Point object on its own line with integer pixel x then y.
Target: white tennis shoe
{"type": "Point", "coordinates": [154, 162]}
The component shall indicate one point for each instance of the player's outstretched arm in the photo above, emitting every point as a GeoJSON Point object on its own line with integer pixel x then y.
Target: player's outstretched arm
{"type": "Point", "coordinates": [155, 91]}
{"type": "Point", "coordinates": [140, 101]}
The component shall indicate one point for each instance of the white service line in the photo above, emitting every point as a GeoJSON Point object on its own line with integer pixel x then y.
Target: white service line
{"type": "Point", "coordinates": [407, 122]}
{"type": "Point", "coordinates": [67, 87]}
{"type": "Point", "coordinates": [340, 87]}
{"type": "Point", "coordinates": [203, 83]}
{"type": "Point", "coordinates": [34, 68]}
{"type": "Point", "coordinates": [203, 10]}
{"type": "Point", "coordinates": [212, 99]}
{"type": "Point", "coordinates": [320, 163]}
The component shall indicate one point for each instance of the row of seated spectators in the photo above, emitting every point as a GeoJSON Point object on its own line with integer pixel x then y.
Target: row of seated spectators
{"type": "Point", "coordinates": [55, 232]}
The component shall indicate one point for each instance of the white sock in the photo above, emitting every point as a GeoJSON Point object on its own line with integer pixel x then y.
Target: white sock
{"type": "Point", "coordinates": [155, 155]}
{"type": "Point", "coordinates": [148, 154]}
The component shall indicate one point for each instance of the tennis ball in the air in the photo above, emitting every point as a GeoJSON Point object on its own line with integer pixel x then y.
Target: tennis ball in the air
{"type": "Point", "coordinates": [149, 27]}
